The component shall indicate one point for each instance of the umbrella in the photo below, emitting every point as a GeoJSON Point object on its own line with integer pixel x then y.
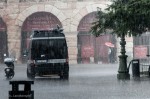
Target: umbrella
{"type": "Point", "coordinates": [109, 44]}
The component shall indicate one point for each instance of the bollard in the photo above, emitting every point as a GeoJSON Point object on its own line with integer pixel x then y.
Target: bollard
{"type": "Point", "coordinates": [27, 93]}
{"type": "Point", "coordinates": [136, 68]}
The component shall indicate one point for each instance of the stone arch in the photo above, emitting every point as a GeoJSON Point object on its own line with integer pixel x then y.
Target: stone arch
{"type": "Point", "coordinates": [77, 17]}
{"type": "Point", "coordinates": [41, 21]}
{"type": "Point", "coordinates": [86, 22]}
{"type": "Point", "coordinates": [86, 42]}
{"type": "Point", "coordinates": [36, 21]}
{"type": "Point", "coordinates": [38, 8]}
{"type": "Point", "coordinates": [34, 9]}
{"type": "Point", "coordinates": [88, 50]}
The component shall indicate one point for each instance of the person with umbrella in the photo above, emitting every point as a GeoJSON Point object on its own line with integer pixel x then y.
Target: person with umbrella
{"type": "Point", "coordinates": [110, 51]}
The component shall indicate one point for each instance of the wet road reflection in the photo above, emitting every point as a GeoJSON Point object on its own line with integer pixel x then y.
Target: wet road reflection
{"type": "Point", "coordinates": [85, 82]}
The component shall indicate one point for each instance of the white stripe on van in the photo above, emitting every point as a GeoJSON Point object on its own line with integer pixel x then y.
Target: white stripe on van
{"type": "Point", "coordinates": [52, 61]}
{"type": "Point", "coordinates": [42, 38]}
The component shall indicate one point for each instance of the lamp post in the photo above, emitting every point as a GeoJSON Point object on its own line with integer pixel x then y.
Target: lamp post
{"type": "Point", "coordinates": [123, 72]}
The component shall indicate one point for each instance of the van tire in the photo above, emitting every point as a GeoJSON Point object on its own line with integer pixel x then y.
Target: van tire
{"type": "Point", "coordinates": [29, 75]}
{"type": "Point", "coordinates": [64, 75]}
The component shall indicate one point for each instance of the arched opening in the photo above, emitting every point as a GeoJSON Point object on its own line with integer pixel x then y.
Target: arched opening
{"type": "Point", "coordinates": [3, 40]}
{"type": "Point", "coordinates": [92, 49]}
{"type": "Point", "coordinates": [36, 21]}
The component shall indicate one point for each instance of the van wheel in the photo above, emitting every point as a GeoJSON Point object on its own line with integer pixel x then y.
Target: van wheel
{"type": "Point", "coordinates": [29, 75]}
{"type": "Point", "coordinates": [64, 75]}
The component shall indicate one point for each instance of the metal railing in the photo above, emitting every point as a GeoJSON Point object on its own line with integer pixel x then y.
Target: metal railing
{"type": "Point", "coordinates": [144, 65]}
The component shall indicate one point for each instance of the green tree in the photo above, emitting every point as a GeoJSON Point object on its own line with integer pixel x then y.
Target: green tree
{"type": "Point", "coordinates": [124, 18]}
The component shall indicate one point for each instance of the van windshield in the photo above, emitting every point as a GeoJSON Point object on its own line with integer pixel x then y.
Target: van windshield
{"type": "Point", "coordinates": [49, 49]}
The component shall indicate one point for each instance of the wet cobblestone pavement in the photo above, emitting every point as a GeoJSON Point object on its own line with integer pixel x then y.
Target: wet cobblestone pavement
{"type": "Point", "coordinates": [91, 81]}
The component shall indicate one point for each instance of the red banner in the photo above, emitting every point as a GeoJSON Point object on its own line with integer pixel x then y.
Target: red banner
{"type": "Point", "coordinates": [87, 51]}
{"type": "Point", "coordinates": [140, 51]}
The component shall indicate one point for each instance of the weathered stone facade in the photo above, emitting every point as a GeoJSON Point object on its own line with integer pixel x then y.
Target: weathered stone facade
{"type": "Point", "coordinates": [69, 12]}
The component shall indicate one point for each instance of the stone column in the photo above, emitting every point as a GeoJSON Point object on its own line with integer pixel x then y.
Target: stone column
{"type": "Point", "coordinates": [72, 47]}
{"type": "Point", "coordinates": [14, 41]}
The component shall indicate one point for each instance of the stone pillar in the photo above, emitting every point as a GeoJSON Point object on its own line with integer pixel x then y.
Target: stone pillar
{"type": "Point", "coordinates": [72, 47]}
{"type": "Point", "coordinates": [14, 41]}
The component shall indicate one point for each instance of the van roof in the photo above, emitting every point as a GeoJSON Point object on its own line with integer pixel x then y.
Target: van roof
{"type": "Point", "coordinates": [47, 33]}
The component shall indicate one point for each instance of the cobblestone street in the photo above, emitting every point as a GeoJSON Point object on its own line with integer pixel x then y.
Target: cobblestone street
{"type": "Point", "coordinates": [91, 81]}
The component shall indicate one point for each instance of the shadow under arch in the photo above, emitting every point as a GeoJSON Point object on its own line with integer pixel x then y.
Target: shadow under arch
{"type": "Point", "coordinates": [3, 40]}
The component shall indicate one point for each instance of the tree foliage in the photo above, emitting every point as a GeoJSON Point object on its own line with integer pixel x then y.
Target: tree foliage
{"type": "Point", "coordinates": [128, 17]}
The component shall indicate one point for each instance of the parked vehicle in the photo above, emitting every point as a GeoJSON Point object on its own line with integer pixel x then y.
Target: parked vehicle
{"type": "Point", "coordinates": [47, 54]}
{"type": "Point", "coordinates": [9, 70]}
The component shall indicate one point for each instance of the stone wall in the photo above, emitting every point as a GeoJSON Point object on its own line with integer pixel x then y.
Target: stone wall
{"type": "Point", "coordinates": [69, 12]}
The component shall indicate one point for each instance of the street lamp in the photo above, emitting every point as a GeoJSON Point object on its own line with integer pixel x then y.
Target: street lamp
{"type": "Point", "coordinates": [123, 71]}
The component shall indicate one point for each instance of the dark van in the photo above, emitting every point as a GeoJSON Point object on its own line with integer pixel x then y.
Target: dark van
{"type": "Point", "coordinates": [47, 54]}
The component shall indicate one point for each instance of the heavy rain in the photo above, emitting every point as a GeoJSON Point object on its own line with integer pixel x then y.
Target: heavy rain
{"type": "Point", "coordinates": [49, 42]}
